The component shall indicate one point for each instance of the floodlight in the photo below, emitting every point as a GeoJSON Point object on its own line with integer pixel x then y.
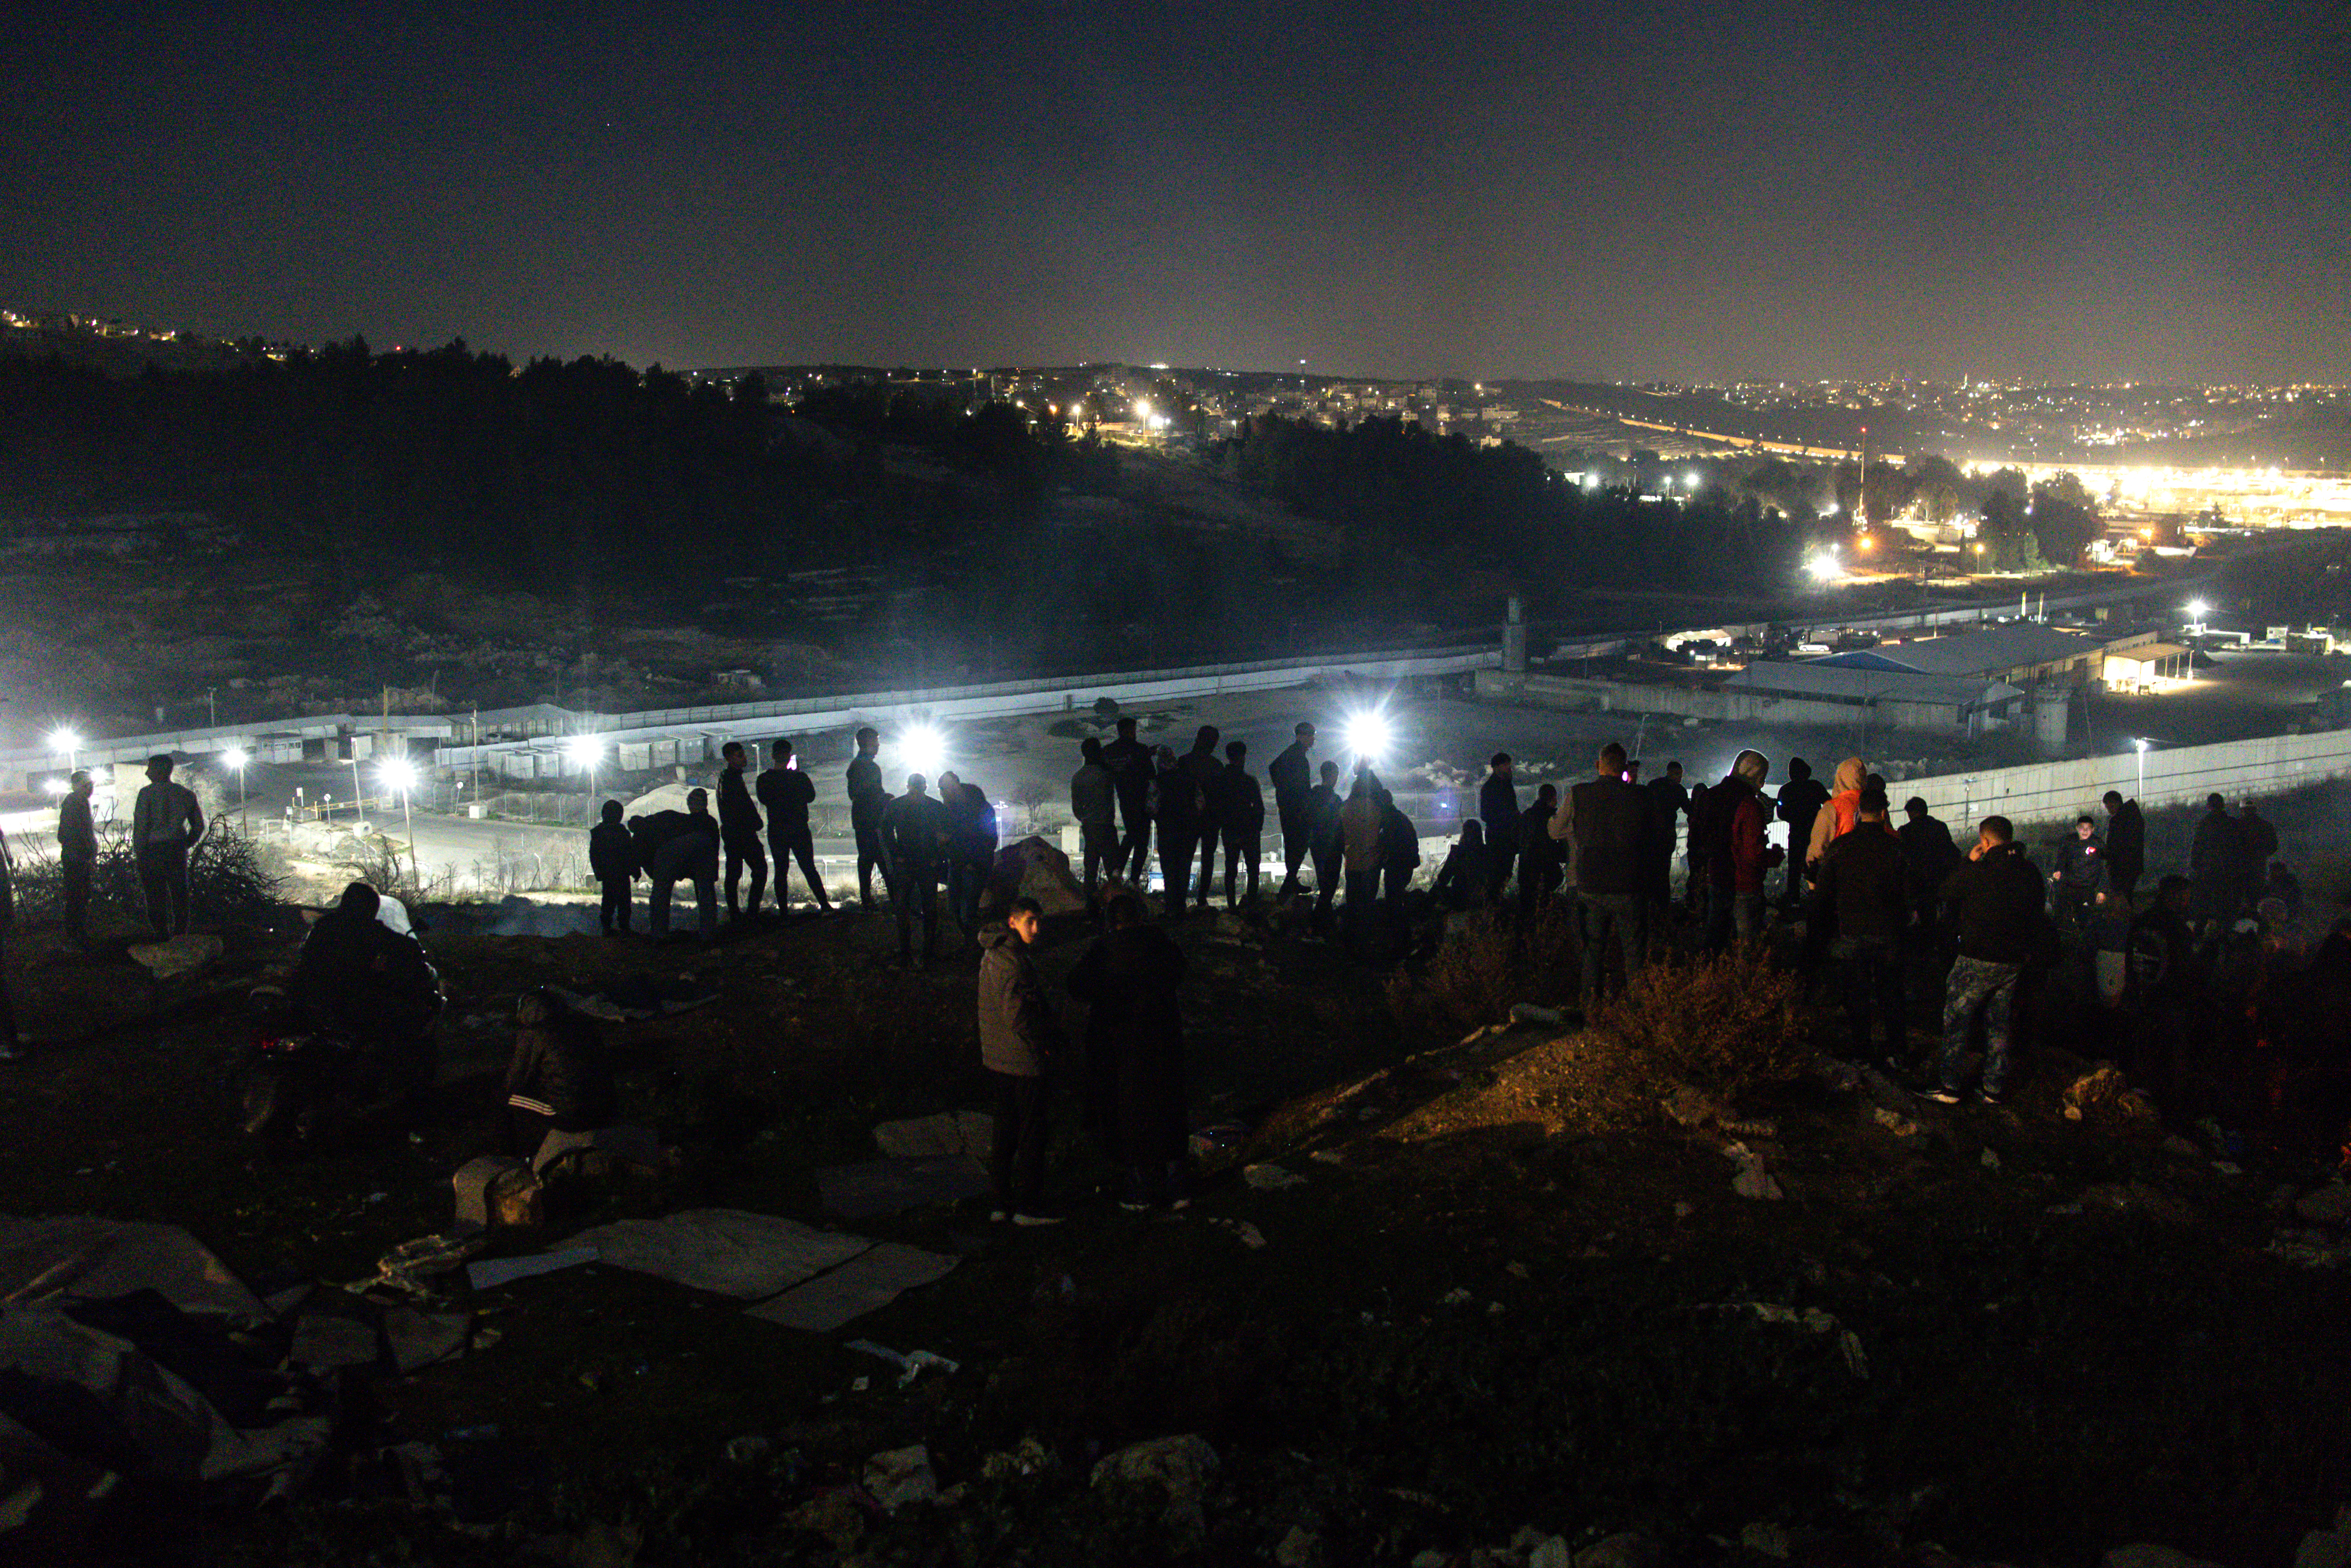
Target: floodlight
{"type": "Point", "coordinates": [1822, 567]}
{"type": "Point", "coordinates": [2197, 609]}
{"type": "Point", "coordinates": [1368, 735]}
{"type": "Point", "coordinates": [55, 787]}
{"type": "Point", "coordinates": [922, 749]}
{"type": "Point", "coordinates": [584, 750]}
{"type": "Point", "coordinates": [64, 739]}
{"type": "Point", "coordinates": [235, 757]}
{"type": "Point", "coordinates": [2140, 745]}
{"type": "Point", "coordinates": [397, 773]}
{"type": "Point", "coordinates": [1692, 480]}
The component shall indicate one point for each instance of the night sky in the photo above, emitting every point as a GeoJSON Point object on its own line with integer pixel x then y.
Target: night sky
{"type": "Point", "coordinates": [1683, 192]}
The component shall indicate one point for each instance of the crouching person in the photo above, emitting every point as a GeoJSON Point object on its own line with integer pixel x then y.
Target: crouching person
{"type": "Point", "coordinates": [1019, 1039]}
{"type": "Point", "coordinates": [557, 1080]}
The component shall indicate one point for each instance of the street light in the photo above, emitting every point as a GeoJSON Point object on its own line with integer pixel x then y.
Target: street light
{"type": "Point", "coordinates": [922, 749]}
{"type": "Point", "coordinates": [66, 739]}
{"type": "Point", "coordinates": [1822, 567]}
{"type": "Point", "coordinates": [235, 757]}
{"type": "Point", "coordinates": [2197, 611]}
{"type": "Point", "coordinates": [2140, 747]}
{"type": "Point", "coordinates": [398, 773]}
{"type": "Point", "coordinates": [584, 752]}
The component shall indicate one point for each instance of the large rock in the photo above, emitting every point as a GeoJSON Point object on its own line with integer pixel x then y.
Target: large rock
{"type": "Point", "coordinates": [185, 955]}
{"type": "Point", "coordinates": [900, 1477]}
{"type": "Point", "coordinates": [1179, 1467]}
{"type": "Point", "coordinates": [2146, 1555]}
{"type": "Point", "coordinates": [1628, 1549]}
{"type": "Point", "coordinates": [1036, 869]}
{"type": "Point", "coordinates": [2329, 1205]}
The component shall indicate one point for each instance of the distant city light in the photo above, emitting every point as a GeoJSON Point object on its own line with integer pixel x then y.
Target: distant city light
{"type": "Point", "coordinates": [1367, 736]}
{"type": "Point", "coordinates": [1143, 408]}
{"type": "Point", "coordinates": [1868, 541]}
{"type": "Point", "coordinates": [922, 749]}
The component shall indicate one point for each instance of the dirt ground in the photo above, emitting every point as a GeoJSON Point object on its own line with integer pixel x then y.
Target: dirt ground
{"type": "Point", "coordinates": [2044, 1338]}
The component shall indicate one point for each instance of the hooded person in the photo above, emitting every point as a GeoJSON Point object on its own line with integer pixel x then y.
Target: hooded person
{"type": "Point", "coordinates": [1836, 818]}
{"type": "Point", "coordinates": [1738, 856]}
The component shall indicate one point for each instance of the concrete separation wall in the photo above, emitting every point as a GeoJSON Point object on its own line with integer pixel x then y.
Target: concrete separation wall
{"type": "Point", "coordinates": [2059, 792]}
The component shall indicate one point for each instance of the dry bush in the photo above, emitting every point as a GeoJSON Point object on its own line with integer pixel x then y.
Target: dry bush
{"type": "Point", "coordinates": [1729, 1025]}
{"type": "Point", "coordinates": [1490, 963]}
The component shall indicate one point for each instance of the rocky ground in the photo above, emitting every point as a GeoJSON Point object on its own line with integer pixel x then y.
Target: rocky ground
{"type": "Point", "coordinates": [1488, 1301]}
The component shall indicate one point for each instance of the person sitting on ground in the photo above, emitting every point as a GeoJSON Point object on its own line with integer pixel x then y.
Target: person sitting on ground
{"type": "Point", "coordinates": [1462, 881]}
{"type": "Point", "coordinates": [361, 977]}
{"type": "Point", "coordinates": [1134, 1053]}
{"type": "Point", "coordinates": [557, 1080]}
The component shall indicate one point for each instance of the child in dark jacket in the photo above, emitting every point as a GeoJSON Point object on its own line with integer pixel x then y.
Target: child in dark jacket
{"type": "Point", "coordinates": [613, 862]}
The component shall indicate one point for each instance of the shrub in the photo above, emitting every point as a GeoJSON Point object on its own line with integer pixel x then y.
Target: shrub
{"type": "Point", "coordinates": [1484, 967]}
{"type": "Point", "coordinates": [233, 879]}
{"type": "Point", "coordinates": [1728, 1024]}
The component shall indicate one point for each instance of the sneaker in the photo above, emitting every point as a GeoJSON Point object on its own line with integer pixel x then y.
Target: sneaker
{"type": "Point", "coordinates": [998, 1216]}
{"type": "Point", "coordinates": [1993, 1096]}
{"type": "Point", "coordinates": [1942, 1096]}
{"type": "Point", "coordinates": [1026, 1218]}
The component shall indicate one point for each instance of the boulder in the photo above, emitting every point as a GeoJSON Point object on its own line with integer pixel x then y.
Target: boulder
{"type": "Point", "coordinates": [180, 956]}
{"type": "Point", "coordinates": [1035, 869]}
{"type": "Point", "coordinates": [1179, 1467]}
{"type": "Point", "coordinates": [901, 1475]}
{"type": "Point", "coordinates": [1627, 1549]}
{"type": "Point", "coordinates": [2146, 1555]}
{"type": "Point", "coordinates": [2329, 1205]}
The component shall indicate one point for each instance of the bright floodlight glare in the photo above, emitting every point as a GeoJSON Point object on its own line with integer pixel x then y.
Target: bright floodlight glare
{"type": "Point", "coordinates": [1368, 735]}
{"type": "Point", "coordinates": [584, 750]}
{"type": "Point", "coordinates": [64, 739]}
{"type": "Point", "coordinates": [397, 773]}
{"type": "Point", "coordinates": [235, 760]}
{"type": "Point", "coordinates": [1822, 566]}
{"type": "Point", "coordinates": [2199, 608]}
{"type": "Point", "coordinates": [55, 787]}
{"type": "Point", "coordinates": [2140, 745]}
{"type": "Point", "coordinates": [922, 749]}
{"type": "Point", "coordinates": [1692, 480]}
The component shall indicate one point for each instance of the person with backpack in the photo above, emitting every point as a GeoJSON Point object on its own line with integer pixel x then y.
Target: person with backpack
{"type": "Point", "coordinates": [1996, 902]}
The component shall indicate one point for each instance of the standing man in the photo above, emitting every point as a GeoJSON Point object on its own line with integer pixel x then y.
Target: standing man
{"type": "Point", "coordinates": [1738, 859]}
{"type": "Point", "coordinates": [2216, 861]}
{"type": "Point", "coordinates": [867, 799]}
{"type": "Point", "coordinates": [2125, 844]}
{"type": "Point", "coordinates": [1929, 857]}
{"type": "Point", "coordinates": [1498, 810]}
{"type": "Point", "coordinates": [1801, 799]}
{"type": "Point", "coordinates": [1864, 881]}
{"type": "Point", "coordinates": [2261, 842]}
{"type": "Point", "coordinates": [1093, 801]}
{"type": "Point", "coordinates": [914, 846]}
{"type": "Point", "coordinates": [1322, 812]}
{"type": "Point", "coordinates": [1540, 854]}
{"type": "Point", "coordinates": [787, 793]}
{"type": "Point", "coordinates": [1200, 764]}
{"type": "Point", "coordinates": [971, 848]}
{"type": "Point", "coordinates": [1175, 816]}
{"type": "Point", "coordinates": [166, 825]}
{"type": "Point", "coordinates": [1293, 775]}
{"type": "Point", "coordinates": [1996, 903]}
{"type": "Point", "coordinates": [77, 856]}
{"type": "Point", "coordinates": [2080, 879]}
{"type": "Point", "coordinates": [1240, 806]}
{"type": "Point", "coordinates": [613, 862]}
{"type": "Point", "coordinates": [1130, 765]}
{"type": "Point", "coordinates": [1604, 823]}
{"type": "Point", "coordinates": [738, 831]}
{"type": "Point", "coordinates": [1359, 841]}
{"type": "Point", "coordinates": [1018, 1040]}
{"type": "Point", "coordinates": [1667, 801]}
{"type": "Point", "coordinates": [12, 1048]}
